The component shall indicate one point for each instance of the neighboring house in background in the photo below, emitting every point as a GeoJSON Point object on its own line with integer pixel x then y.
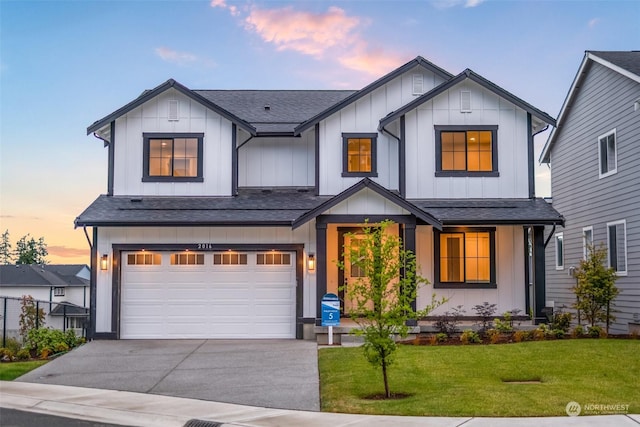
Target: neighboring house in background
{"type": "Point", "coordinates": [226, 210]}
{"type": "Point", "coordinates": [595, 179]}
{"type": "Point", "coordinates": [52, 283]}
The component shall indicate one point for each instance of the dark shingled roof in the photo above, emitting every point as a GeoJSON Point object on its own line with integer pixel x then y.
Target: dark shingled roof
{"type": "Point", "coordinates": [286, 108]}
{"type": "Point", "coordinates": [491, 211]}
{"type": "Point", "coordinates": [41, 275]}
{"type": "Point", "coordinates": [258, 207]}
{"type": "Point", "coordinates": [283, 206]}
{"type": "Point", "coordinates": [70, 310]}
{"type": "Point", "coordinates": [629, 60]}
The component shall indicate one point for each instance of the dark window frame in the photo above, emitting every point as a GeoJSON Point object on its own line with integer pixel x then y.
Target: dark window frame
{"type": "Point", "coordinates": [345, 154]}
{"type": "Point", "coordinates": [147, 137]}
{"type": "Point", "coordinates": [613, 249]}
{"type": "Point", "coordinates": [466, 128]}
{"type": "Point", "coordinates": [437, 284]}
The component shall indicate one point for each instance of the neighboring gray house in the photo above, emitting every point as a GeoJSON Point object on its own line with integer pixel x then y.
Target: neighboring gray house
{"type": "Point", "coordinates": [595, 162]}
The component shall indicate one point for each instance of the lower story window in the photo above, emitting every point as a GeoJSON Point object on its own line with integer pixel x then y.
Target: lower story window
{"type": "Point", "coordinates": [465, 258]}
{"type": "Point", "coordinates": [617, 245]}
{"type": "Point", "coordinates": [75, 322]}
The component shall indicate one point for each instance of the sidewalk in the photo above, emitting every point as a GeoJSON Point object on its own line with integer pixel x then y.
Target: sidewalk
{"type": "Point", "coordinates": [139, 409]}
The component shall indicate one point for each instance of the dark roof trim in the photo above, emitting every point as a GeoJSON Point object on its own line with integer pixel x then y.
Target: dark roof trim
{"type": "Point", "coordinates": [368, 183]}
{"type": "Point", "coordinates": [589, 57]}
{"type": "Point", "coordinates": [280, 223]}
{"type": "Point", "coordinates": [370, 88]}
{"type": "Point", "coordinates": [532, 222]}
{"type": "Point", "coordinates": [171, 83]}
{"type": "Point", "coordinates": [473, 76]}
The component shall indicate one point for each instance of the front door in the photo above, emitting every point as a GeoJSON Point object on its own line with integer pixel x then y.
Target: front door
{"type": "Point", "coordinates": [348, 238]}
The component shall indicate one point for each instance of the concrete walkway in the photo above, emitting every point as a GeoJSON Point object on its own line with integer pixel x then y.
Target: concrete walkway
{"type": "Point", "coordinates": [271, 373]}
{"type": "Point", "coordinates": [140, 409]}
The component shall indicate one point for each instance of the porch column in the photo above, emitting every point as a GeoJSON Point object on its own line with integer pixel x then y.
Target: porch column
{"type": "Point", "coordinates": [539, 292]}
{"type": "Point", "coordinates": [321, 268]}
{"type": "Point", "coordinates": [409, 232]}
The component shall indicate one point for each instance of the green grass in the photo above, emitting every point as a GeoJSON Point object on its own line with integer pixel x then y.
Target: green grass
{"type": "Point", "coordinates": [12, 370]}
{"type": "Point", "coordinates": [469, 380]}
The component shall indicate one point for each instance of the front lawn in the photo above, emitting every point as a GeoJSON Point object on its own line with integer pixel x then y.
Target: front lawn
{"type": "Point", "coordinates": [11, 370]}
{"type": "Point", "coordinates": [470, 380]}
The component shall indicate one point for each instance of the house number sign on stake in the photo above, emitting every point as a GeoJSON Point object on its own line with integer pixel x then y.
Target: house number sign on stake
{"type": "Point", "coordinates": [330, 313]}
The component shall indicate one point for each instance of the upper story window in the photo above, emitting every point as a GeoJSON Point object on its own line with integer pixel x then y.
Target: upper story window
{"type": "Point", "coordinates": [172, 157]}
{"type": "Point", "coordinates": [608, 154]}
{"type": "Point", "coordinates": [587, 241]}
{"type": "Point", "coordinates": [466, 150]}
{"type": "Point", "coordinates": [359, 152]}
{"type": "Point", "coordinates": [465, 258]}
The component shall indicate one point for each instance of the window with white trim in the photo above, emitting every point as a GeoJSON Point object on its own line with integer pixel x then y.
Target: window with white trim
{"type": "Point", "coordinates": [587, 241]}
{"type": "Point", "coordinates": [559, 237]}
{"type": "Point", "coordinates": [58, 292]}
{"type": "Point", "coordinates": [608, 153]}
{"type": "Point", "coordinates": [617, 246]}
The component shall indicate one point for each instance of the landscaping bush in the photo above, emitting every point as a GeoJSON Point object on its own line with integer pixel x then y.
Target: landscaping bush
{"type": "Point", "coordinates": [448, 322]}
{"type": "Point", "coordinates": [577, 332]}
{"type": "Point", "coordinates": [45, 341]}
{"type": "Point", "coordinates": [6, 355]}
{"type": "Point", "coordinates": [12, 344]}
{"type": "Point", "coordinates": [469, 336]}
{"type": "Point", "coordinates": [519, 336]}
{"type": "Point", "coordinates": [493, 335]}
{"type": "Point", "coordinates": [486, 313]}
{"type": "Point", "coordinates": [596, 332]}
{"type": "Point", "coordinates": [561, 320]}
{"type": "Point", "coordinates": [23, 354]}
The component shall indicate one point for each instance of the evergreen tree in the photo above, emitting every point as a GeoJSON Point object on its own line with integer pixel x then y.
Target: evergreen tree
{"type": "Point", "coordinates": [31, 251]}
{"type": "Point", "coordinates": [6, 256]}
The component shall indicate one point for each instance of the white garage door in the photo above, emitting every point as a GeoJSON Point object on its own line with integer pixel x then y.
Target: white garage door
{"type": "Point", "coordinates": [208, 295]}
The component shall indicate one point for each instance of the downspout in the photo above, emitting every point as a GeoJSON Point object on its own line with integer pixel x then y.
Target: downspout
{"type": "Point", "coordinates": [84, 227]}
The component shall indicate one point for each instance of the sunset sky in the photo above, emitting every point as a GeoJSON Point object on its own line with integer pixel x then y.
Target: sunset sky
{"type": "Point", "coordinates": [64, 65]}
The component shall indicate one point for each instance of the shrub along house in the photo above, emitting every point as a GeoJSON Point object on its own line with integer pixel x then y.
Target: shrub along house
{"type": "Point", "coordinates": [226, 210]}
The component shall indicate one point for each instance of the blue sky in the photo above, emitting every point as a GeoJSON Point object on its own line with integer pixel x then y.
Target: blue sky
{"type": "Point", "coordinates": [65, 64]}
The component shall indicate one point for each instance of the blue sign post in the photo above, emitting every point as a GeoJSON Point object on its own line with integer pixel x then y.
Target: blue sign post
{"type": "Point", "coordinates": [330, 313]}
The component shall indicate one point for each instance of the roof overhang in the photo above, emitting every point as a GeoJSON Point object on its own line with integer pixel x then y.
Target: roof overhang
{"type": "Point", "coordinates": [589, 57]}
{"type": "Point", "coordinates": [377, 188]}
{"type": "Point", "coordinates": [100, 126]}
{"type": "Point", "coordinates": [544, 118]}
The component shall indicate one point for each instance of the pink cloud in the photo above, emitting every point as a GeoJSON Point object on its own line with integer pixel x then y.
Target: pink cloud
{"type": "Point", "coordinates": [67, 252]}
{"type": "Point", "coordinates": [304, 32]}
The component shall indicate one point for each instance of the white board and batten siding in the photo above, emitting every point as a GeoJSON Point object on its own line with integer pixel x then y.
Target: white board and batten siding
{"type": "Point", "coordinates": [486, 109]}
{"type": "Point", "coordinates": [153, 117]}
{"type": "Point", "coordinates": [363, 116]}
{"type": "Point", "coordinates": [169, 282]}
{"type": "Point", "coordinates": [277, 162]}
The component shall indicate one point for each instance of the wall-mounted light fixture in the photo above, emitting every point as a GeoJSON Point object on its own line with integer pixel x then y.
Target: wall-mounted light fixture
{"type": "Point", "coordinates": [104, 262]}
{"type": "Point", "coordinates": [311, 262]}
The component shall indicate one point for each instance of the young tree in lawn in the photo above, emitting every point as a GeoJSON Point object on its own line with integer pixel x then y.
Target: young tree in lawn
{"type": "Point", "coordinates": [596, 287]}
{"type": "Point", "coordinates": [6, 256]}
{"type": "Point", "coordinates": [382, 297]}
{"type": "Point", "coordinates": [31, 251]}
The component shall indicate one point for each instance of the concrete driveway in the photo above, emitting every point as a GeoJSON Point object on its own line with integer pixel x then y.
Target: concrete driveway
{"type": "Point", "coordinates": [268, 373]}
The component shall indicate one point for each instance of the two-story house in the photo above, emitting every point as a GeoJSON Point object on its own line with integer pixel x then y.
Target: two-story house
{"type": "Point", "coordinates": [226, 210]}
{"type": "Point", "coordinates": [595, 179]}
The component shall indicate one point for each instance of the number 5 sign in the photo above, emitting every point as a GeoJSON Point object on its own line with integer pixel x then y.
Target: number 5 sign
{"type": "Point", "coordinates": [330, 310]}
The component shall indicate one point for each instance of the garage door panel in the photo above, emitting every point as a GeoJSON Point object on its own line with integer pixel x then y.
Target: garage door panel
{"type": "Point", "coordinates": [208, 300]}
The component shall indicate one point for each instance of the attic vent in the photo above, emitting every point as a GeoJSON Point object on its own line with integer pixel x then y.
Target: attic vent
{"type": "Point", "coordinates": [418, 84]}
{"type": "Point", "coordinates": [173, 110]}
{"type": "Point", "coordinates": [465, 101]}
{"type": "Point", "coordinates": [267, 107]}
